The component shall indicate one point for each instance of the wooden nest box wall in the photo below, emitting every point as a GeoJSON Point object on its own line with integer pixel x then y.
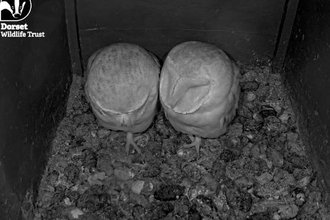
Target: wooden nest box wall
{"type": "Point", "coordinates": [291, 35]}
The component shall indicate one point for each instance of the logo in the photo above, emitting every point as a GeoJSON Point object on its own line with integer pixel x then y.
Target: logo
{"type": "Point", "coordinates": [14, 10]}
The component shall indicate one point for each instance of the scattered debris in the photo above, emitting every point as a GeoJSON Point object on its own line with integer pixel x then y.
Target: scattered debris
{"type": "Point", "coordinates": [258, 170]}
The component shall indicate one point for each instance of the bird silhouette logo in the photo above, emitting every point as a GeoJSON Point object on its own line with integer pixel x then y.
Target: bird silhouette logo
{"type": "Point", "coordinates": [14, 10]}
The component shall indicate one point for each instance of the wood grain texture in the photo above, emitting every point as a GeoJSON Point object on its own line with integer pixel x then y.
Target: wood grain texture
{"type": "Point", "coordinates": [247, 29]}
{"type": "Point", "coordinates": [74, 43]}
{"type": "Point", "coordinates": [284, 34]}
{"type": "Point", "coordinates": [307, 72]}
{"type": "Point", "coordinates": [160, 42]}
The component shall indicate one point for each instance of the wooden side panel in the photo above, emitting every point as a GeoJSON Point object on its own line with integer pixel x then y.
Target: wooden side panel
{"type": "Point", "coordinates": [307, 72]}
{"type": "Point", "coordinates": [284, 34]}
{"type": "Point", "coordinates": [35, 81]}
{"type": "Point", "coordinates": [73, 39]}
{"type": "Point", "coordinates": [245, 29]}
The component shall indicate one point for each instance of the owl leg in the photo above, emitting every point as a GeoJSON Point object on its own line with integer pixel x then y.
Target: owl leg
{"type": "Point", "coordinates": [195, 142]}
{"type": "Point", "coordinates": [131, 141]}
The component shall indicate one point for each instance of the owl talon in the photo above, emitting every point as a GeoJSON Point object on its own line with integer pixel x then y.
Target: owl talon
{"type": "Point", "coordinates": [195, 142]}
{"type": "Point", "coordinates": [131, 141]}
{"type": "Point", "coordinates": [137, 138]}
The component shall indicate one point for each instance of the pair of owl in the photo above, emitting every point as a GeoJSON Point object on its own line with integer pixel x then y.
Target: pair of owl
{"type": "Point", "coordinates": [198, 87]}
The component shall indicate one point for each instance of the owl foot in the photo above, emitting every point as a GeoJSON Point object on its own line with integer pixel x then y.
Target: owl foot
{"type": "Point", "coordinates": [195, 142]}
{"type": "Point", "coordinates": [131, 141]}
